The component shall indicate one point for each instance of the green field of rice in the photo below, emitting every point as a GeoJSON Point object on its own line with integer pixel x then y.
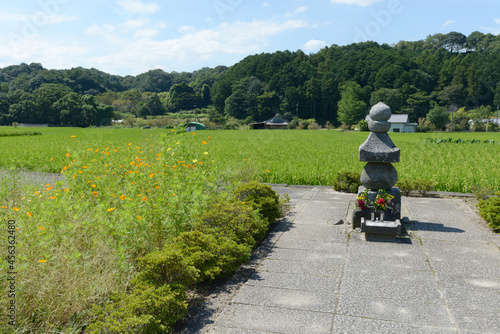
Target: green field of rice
{"type": "Point", "coordinates": [298, 157]}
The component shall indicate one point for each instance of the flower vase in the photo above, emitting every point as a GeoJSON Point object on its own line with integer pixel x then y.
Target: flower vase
{"type": "Point", "coordinates": [372, 216]}
{"type": "Point", "coordinates": [381, 216]}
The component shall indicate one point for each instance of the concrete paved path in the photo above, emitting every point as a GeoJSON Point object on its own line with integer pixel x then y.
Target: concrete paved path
{"type": "Point", "coordinates": [442, 277]}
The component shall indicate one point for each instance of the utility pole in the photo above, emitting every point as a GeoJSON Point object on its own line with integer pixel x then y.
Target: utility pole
{"type": "Point", "coordinates": [497, 117]}
{"type": "Point", "coordinates": [452, 108]}
{"type": "Point", "coordinates": [297, 110]}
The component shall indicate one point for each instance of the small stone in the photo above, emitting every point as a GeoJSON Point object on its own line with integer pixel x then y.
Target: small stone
{"type": "Point", "coordinates": [380, 112]}
{"type": "Point", "coordinates": [379, 126]}
{"type": "Point", "coordinates": [339, 222]}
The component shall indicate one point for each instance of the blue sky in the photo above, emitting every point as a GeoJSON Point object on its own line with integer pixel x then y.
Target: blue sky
{"type": "Point", "coordinates": [129, 37]}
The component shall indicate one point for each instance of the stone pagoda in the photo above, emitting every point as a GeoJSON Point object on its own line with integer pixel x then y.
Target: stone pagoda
{"type": "Point", "coordinates": [379, 152]}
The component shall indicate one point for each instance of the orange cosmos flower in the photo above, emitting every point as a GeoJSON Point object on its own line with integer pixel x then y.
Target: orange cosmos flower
{"type": "Point", "coordinates": [139, 217]}
{"type": "Point", "coordinates": [17, 209]}
{"type": "Point", "coordinates": [43, 261]}
{"type": "Point", "coordinates": [94, 193]}
{"type": "Point", "coordinates": [68, 155]}
{"type": "Point", "coordinates": [144, 199]}
{"type": "Point", "coordinates": [204, 142]}
{"type": "Point", "coordinates": [111, 209]}
{"type": "Point", "coordinates": [122, 197]}
{"type": "Point", "coordinates": [29, 214]}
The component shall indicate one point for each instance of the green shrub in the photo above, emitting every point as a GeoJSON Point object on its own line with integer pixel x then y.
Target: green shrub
{"type": "Point", "coordinates": [193, 257]}
{"type": "Point", "coordinates": [363, 125]}
{"type": "Point", "coordinates": [424, 186]}
{"type": "Point", "coordinates": [406, 186]}
{"type": "Point", "coordinates": [148, 309]}
{"type": "Point", "coordinates": [489, 209]}
{"type": "Point", "coordinates": [261, 197]}
{"type": "Point", "coordinates": [234, 220]}
{"type": "Point", "coordinates": [347, 182]}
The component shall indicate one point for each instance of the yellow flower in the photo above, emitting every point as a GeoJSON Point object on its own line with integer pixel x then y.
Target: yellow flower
{"type": "Point", "coordinates": [111, 209]}
{"type": "Point", "coordinates": [139, 217]}
{"type": "Point", "coordinates": [68, 155]}
{"type": "Point", "coordinates": [40, 228]}
{"type": "Point", "coordinates": [122, 197]}
{"type": "Point", "coordinates": [194, 134]}
{"type": "Point", "coordinates": [43, 261]}
{"type": "Point", "coordinates": [73, 136]}
{"type": "Point", "coordinates": [29, 214]}
{"type": "Point", "coordinates": [93, 186]}
{"type": "Point", "coordinates": [144, 199]}
{"type": "Point", "coordinates": [204, 142]}
{"type": "Point", "coordinates": [94, 193]}
{"type": "Point", "coordinates": [17, 209]}
{"type": "Point", "coordinates": [206, 153]}
{"type": "Point", "coordinates": [151, 175]}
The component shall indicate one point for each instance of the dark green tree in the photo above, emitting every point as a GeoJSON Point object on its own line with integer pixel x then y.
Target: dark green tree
{"type": "Point", "coordinates": [438, 116]}
{"type": "Point", "coordinates": [352, 108]}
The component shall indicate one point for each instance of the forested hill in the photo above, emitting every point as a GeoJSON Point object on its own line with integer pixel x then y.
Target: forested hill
{"type": "Point", "coordinates": [336, 84]}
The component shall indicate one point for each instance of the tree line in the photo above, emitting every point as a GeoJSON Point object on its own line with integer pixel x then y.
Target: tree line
{"type": "Point", "coordinates": [338, 84]}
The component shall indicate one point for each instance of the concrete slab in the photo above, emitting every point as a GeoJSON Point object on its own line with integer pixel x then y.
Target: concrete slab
{"type": "Point", "coordinates": [408, 311]}
{"type": "Point", "coordinates": [335, 258]}
{"type": "Point", "coordinates": [275, 320]}
{"type": "Point", "coordinates": [298, 267]}
{"type": "Point", "coordinates": [347, 324]}
{"type": "Point", "coordinates": [289, 299]}
{"type": "Point", "coordinates": [479, 321]}
{"type": "Point", "coordinates": [295, 281]}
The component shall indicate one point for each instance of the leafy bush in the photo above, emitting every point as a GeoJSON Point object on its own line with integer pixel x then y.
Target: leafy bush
{"type": "Point", "coordinates": [236, 221]}
{"type": "Point", "coordinates": [193, 257]}
{"type": "Point", "coordinates": [363, 125]}
{"type": "Point", "coordinates": [424, 186]}
{"type": "Point", "coordinates": [148, 309]}
{"type": "Point", "coordinates": [347, 182]}
{"type": "Point", "coordinates": [405, 186]}
{"type": "Point", "coordinates": [261, 197]}
{"type": "Point", "coordinates": [489, 209]}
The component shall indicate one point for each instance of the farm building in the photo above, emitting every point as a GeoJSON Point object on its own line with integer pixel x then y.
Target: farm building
{"type": "Point", "coordinates": [273, 123]}
{"type": "Point", "coordinates": [400, 123]}
{"type": "Point", "coordinates": [194, 126]}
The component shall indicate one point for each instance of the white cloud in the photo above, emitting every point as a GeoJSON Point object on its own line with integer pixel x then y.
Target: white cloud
{"type": "Point", "coordinates": [51, 54]}
{"type": "Point", "coordinates": [137, 7]}
{"type": "Point", "coordinates": [265, 4]}
{"type": "Point", "coordinates": [497, 21]}
{"type": "Point", "coordinates": [447, 23]}
{"type": "Point", "coordinates": [297, 11]}
{"type": "Point", "coordinates": [361, 3]}
{"type": "Point", "coordinates": [314, 44]}
{"type": "Point", "coordinates": [39, 18]}
{"type": "Point", "coordinates": [193, 47]}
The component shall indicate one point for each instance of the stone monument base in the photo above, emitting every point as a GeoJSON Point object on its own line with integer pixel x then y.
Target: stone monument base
{"type": "Point", "coordinates": [390, 215]}
{"type": "Point", "coordinates": [378, 227]}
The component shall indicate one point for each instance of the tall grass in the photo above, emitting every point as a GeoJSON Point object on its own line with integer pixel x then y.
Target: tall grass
{"type": "Point", "coordinates": [78, 239]}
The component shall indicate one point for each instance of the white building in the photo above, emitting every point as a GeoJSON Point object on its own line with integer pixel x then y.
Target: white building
{"type": "Point", "coordinates": [400, 123]}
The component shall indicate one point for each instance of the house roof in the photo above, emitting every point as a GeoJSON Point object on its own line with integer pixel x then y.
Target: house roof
{"type": "Point", "coordinates": [395, 118]}
{"type": "Point", "coordinates": [276, 120]}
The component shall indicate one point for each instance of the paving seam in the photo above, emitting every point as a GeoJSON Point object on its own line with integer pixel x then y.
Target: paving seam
{"type": "Point", "coordinates": [341, 277]}
{"type": "Point", "coordinates": [439, 288]}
